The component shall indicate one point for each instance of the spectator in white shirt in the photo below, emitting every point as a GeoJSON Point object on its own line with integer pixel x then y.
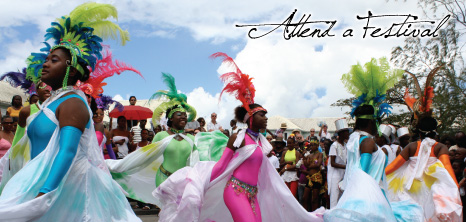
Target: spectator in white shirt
{"type": "Point", "coordinates": [324, 133]}
{"type": "Point", "coordinates": [274, 160]}
{"type": "Point", "coordinates": [337, 166]}
{"type": "Point", "coordinates": [136, 131]}
{"type": "Point", "coordinates": [213, 125]}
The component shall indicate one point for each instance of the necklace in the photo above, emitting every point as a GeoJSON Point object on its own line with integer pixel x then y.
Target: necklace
{"type": "Point", "coordinates": [252, 133]}
{"type": "Point", "coordinates": [55, 93]}
{"type": "Point", "coordinates": [176, 131]}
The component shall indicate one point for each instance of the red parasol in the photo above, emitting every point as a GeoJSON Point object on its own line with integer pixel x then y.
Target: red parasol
{"type": "Point", "coordinates": [132, 113]}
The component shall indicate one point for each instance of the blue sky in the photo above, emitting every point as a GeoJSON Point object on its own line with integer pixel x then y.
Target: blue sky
{"type": "Point", "coordinates": [295, 78]}
{"type": "Point", "coordinates": [182, 56]}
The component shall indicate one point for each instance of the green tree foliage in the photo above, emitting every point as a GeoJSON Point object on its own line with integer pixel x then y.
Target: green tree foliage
{"type": "Point", "coordinates": [420, 56]}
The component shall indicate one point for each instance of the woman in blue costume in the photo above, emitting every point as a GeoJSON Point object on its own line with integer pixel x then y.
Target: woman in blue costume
{"type": "Point", "coordinates": [364, 183]}
{"type": "Point", "coordinates": [62, 182]}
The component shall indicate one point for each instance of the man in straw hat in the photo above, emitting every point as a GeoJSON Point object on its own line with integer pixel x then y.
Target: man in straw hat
{"type": "Point", "coordinates": [280, 131]}
{"type": "Point", "coordinates": [337, 163]}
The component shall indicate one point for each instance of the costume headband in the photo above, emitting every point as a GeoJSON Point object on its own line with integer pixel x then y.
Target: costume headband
{"type": "Point", "coordinates": [178, 109]}
{"type": "Point", "coordinates": [252, 112]}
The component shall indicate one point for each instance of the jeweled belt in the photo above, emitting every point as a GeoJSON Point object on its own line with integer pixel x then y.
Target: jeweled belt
{"type": "Point", "coordinates": [241, 187]}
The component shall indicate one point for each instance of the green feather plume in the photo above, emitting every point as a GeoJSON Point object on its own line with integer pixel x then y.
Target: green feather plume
{"type": "Point", "coordinates": [374, 78]}
{"type": "Point", "coordinates": [172, 92]}
{"type": "Point", "coordinates": [174, 97]}
{"type": "Point", "coordinates": [94, 15]}
{"type": "Point", "coordinates": [192, 112]}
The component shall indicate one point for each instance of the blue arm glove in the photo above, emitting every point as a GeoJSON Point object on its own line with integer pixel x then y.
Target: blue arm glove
{"type": "Point", "coordinates": [366, 161]}
{"type": "Point", "coordinates": [110, 151]}
{"type": "Point", "coordinates": [69, 141]}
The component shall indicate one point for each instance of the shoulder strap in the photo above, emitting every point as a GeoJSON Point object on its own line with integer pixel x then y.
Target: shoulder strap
{"type": "Point", "coordinates": [362, 138]}
{"type": "Point", "coordinates": [432, 153]}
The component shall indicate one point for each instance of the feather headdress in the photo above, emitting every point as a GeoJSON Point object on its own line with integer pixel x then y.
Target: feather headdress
{"type": "Point", "coordinates": [423, 105]}
{"type": "Point", "coordinates": [238, 84]}
{"type": "Point", "coordinates": [104, 102]}
{"type": "Point", "coordinates": [79, 33]}
{"type": "Point", "coordinates": [104, 68]}
{"type": "Point", "coordinates": [370, 84]}
{"type": "Point", "coordinates": [177, 101]}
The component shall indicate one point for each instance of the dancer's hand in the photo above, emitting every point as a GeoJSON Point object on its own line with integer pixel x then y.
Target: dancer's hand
{"type": "Point", "coordinates": [40, 194]}
{"type": "Point", "coordinates": [462, 182]}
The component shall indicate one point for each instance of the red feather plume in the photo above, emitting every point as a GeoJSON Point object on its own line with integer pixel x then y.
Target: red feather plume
{"type": "Point", "coordinates": [409, 99]}
{"type": "Point", "coordinates": [428, 97]}
{"type": "Point", "coordinates": [104, 68]}
{"type": "Point", "coordinates": [237, 83]}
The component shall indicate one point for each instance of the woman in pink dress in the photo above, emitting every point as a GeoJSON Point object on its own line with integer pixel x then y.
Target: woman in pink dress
{"type": "Point", "coordinates": [243, 185]}
{"type": "Point", "coordinates": [6, 135]}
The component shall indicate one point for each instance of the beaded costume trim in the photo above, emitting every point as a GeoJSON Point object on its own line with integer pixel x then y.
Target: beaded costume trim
{"type": "Point", "coordinates": [241, 187]}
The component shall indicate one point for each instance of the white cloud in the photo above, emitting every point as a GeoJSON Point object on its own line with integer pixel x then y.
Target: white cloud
{"type": "Point", "coordinates": [206, 104]}
{"type": "Point", "coordinates": [118, 97]}
{"type": "Point", "coordinates": [17, 53]}
{"type": "Point", "coordinates": [287, 73]}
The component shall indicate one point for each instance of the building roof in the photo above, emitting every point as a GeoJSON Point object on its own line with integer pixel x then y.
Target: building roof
{"type": "Point", "coordinates": [303, 124]}
{"type": "Point", "coordinates": [274, 123]}
{"type": "Point", "coordinates": [7, 92]}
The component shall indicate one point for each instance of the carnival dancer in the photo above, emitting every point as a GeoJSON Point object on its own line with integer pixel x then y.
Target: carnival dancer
{"type": "Point", "coordinates": [242, 185]}
{"type": "Point", "coordinates": [337, 166]}
{"type": "Point", "coordinates": [364, 182]}
{"type": "Point", "coordinates": [143, 170]}
{"type": "Point", "coordinates": [62, 182]}
{"type": "Point", "coordinates": [422, 172]}
{"type": "Point", "coordinates": [180, 145]}
{"type": "Point", "coordinates": [102, 104]}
